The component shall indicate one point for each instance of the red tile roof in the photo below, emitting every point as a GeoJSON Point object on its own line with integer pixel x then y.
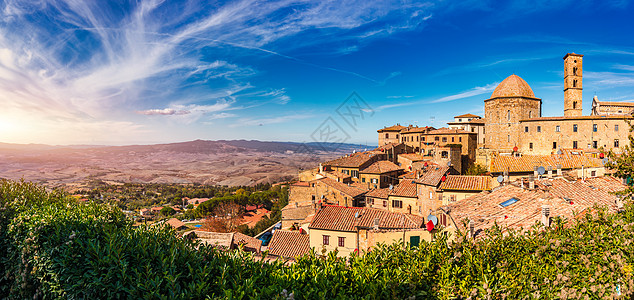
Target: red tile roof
{"type": "Point", "coordinates": [450, 131]}
{"type": "Point", "coordinates": [406, 188]}
{"type": "Point", "coordinates": [246, 241]}
{"type": "Point", "coordinates": [432, 174]}
{"type": "Point", "coordinates": [391, 128]}
{"type": "Point", "coordinates": [289, 244]}
{"type": "Point", "coordinates": [564, 198]}
{"type": "Point", "coordinates": [354, 160]}
{"type": "Point", "coordinates": [338, 218]}
{"type": "Point", "coordinates": [342, 187]}
{"type": "Point", "coordinates": [416, 129]}
{"type": "Point", "coordinates": [412, 156]}
{"type": "Point", "coordinates": [380, 167]}
{"type": "Point", "coordinates": [527, 163]}
{"type": "Point", "coordinates": [466, 183]}
{"type": "Point", "coordinates": [467, 116]}
{"type": "Point", "coordinates": [388, 146]}
{"type": "Point", "coordinates": [610, 103]}
{"type": "Point", "coordinates": [378, 193]}
{"type": "Point", "coordinates": [176, 223]}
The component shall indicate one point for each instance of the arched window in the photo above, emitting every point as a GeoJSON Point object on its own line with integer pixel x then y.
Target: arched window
{"type": "Point", "coordinates": [530, 114]}
{"type": "Point", "coordinates": [574, 83]}
{"type": "Point", "coordinates": [508, 115]}
{"type": "Point", "coordinates": [574, 71]}
{"type": "Point", "coordinates": [574, 104]}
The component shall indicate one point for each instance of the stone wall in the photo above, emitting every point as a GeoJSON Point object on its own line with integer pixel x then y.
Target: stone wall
{"type": "Point", "coordinates": [503, 117]}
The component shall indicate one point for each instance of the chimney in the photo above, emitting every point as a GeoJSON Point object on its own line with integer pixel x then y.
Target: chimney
{"type": "Point", "coordinates": [506, 176]}
{"type": "Point", "coordinates": [559, 170]}
{"type": "Point", "coordinates": [550, 171]}
{"type": "Point", "coordinates": [546, 215]}
{"type": "Point", "coordinates": [531, 182]}
{"type": "Point", "coordinates": [535, 171]}
{"type": "Point", "coordinates": [376, 224]}
{"type": "Point", "coordinates": [321, 168]}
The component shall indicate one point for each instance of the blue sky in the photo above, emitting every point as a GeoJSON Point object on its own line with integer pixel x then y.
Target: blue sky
{"type": "Point", "coordinates": [82, 72]}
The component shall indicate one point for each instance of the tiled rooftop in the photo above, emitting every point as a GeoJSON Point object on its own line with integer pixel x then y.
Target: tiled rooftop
{"type": "Point", "coordinates": [342, 187]}
{"type": "Point", "coordinates": [406, 188]}
{"type": "Point", "coordinates": [391, 128]}
{"type": "Point", "coordinates": [378, 193]}
{"type": "Point", "coordinates": [527, 163]}
{"type": "Point", "coordinates": [380, 167]}
{"type": "Point", "coordinates": [246, 241]}
{"type": "Point", "coordinates": [467, 116]}
{"type": "Point", "coordinates": [338, 218]}
{"type": "Point", "coordinates": [354, 160]}
{"type": "Point", "coordinates": [450, 131]}
{"type": "Point", "coordinates": [289, 244]}
{"type": "Point", "coordinates": [431, 174]}
{"type": "Point", "coordinates": [413, 156]}
{"type": "Point", "coordinates": [466, 183]}
{"type": "Point", "coordinates": [610, 103]}
{"type": "Point", "coordinates": [564, 198]}
{"type": "Point", "coordinates": [513, 86]}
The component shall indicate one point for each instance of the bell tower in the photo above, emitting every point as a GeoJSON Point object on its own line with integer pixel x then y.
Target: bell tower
{"type": "Point", "coordinates": [573, 85]}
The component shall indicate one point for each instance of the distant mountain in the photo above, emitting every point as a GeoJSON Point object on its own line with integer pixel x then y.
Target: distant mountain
{"type": "Point", "coordinates": [234, 162]}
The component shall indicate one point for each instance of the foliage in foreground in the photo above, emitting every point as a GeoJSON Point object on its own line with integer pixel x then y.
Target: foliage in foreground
{"type": "Point", "coordinates": [53, 247]}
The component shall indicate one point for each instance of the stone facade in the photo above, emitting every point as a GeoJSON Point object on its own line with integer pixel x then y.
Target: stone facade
{"type": "Point", "coordinates": [607, 108]}
{"type": "Point", "coordinates": [573, 85]}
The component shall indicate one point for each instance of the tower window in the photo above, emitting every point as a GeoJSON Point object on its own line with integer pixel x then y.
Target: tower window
{"type": "Point", "coordinates": [557, 128]}
{"type": "Point", "coordinates": [574, 83]}
{"type": "Point", "coordinates": [508, 138]}
{"type": "Point", "coordinates": [525, 128]}
{"type": "Point", "coordinates": [530, 146]}
{"type": "Point", "coordinates": [539, 129]}
{"type": "Point", "coordinates": [574, 104]}
{"type": "Point", "coordinates": [595, 145]}
{"type": "Point", "coordinates": [574, 71]}
{"type": "Point", "coordinates": [574, 128]}
{"type": "Point", "coordinates": [595, 127]}
{"type": "Point", "coordinates": [616, 143]}
{"type": "Point", "coordinates": [616, 127]}
{"type": "Point", "coordinates": [530, 114]}
{"type": "Point", "coordinates": [574, 144]}
{"type": "Point", "coordinates": [508, 115]}
{"type": "Point", "coordinates": [554, 145]}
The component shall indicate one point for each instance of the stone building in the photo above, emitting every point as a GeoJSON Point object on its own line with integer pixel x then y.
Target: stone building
{"type": "Point", "coordinates": [390, 134]}
{"type": "Point", "coordinates": [513, 120]}
{"type": "Point", "coordinates": [472, 123]}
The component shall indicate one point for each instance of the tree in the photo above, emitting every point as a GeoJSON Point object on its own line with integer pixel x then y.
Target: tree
{"type": "Point", "coordinates": [167, 211]}
{"type": "Point", "coordinates": [476, 169]}
{"type": "Point", "coordinates": [623, 164]}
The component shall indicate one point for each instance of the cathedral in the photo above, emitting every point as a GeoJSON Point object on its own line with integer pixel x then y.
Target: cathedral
{"type": "Point", "coordinates": [513, 118]}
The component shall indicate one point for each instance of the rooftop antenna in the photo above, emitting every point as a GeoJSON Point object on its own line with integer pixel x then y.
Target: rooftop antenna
{"type": "Point", "coordinates": [500, 179]}
{"type": "Point", "coordinates": [541, 170]}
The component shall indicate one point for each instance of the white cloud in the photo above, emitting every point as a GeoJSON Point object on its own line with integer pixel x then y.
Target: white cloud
{"type": "Point", "coordinates": [267, 121]}
{"type": "Point", "coordinates": [478, 90]}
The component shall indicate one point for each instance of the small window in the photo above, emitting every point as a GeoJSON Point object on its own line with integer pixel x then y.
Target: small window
{"type": "Point", "coordinates": [508, 138]}
{"type": "Point", "coordinates": [452, 139]}
{"type": "Point", "coordinates": [554, 145]}
{"type": "Point", "coordinates": [444, 154]}
{"type": "Point", "coordinates": [594, 144]}
{"type": "Point", "coordinates": [363, 179]}
{"type": "Point", "coordinates": [444, 139]}
{"type": "Point", "coordinates": [574, 144]}
{"type": "Point", "coordinates": [397, 203]}
{"type": "Point", "coordinates": [616, 143]}
{"type": "Point", "coordinates": [423, 138]}
{"type": "Point", "coordinates": [574, 71]}
{"type": "Point", "coordinates": [326, 240]}
{"type": "Point", "coordinates": [387, 135]}
{"type": "Point", "coordinates": [574, 84]}
{"type": "Point", "coordinates": [509, 202]}
{"type": "Point", "coordinates": [341, 241]}
{"type": "Point", "coordinates": [557, 128]}
{"type": "Point", "coordinates": [530, 146]}
{"type": "Point", "coordinates": [460, 139]}
{"type": "Point", "coordinates": [525, 128]}
{"type": "Point", "coordinates": [508, 115]}
{"type": "Point", "coordinates": [384, 203]}
{"type": "Point", "coordinates": [539, 129]}
{"type": "Point", "coordinates": [437, 138]}
{"type": "Point", "coordinates": [616, 127]}
{"type": "Point", "coordinates": [620, 111]}
{"type": "Point", "coordinates": [530, 114]}
{"type": "Point", "coordinates": [593, 173]}
{"type": "Point", "coordinates": [575, 128]}
{"type": "Point", "coordinates": [595, 127]}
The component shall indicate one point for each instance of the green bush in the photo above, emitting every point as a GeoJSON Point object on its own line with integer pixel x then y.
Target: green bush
{"type": "Point", "coordinates": [54, 247]}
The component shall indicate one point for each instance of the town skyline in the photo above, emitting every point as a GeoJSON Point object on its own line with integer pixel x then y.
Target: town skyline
{"type": "Point", "coordinates": [158, 72]}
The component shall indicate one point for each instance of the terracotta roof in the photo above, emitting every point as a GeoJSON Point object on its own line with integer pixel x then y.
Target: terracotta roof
{"type": "Point", "coordinates": [380, 167]}
{"type": "Point", "coordinates": [513, 86]}
{"type": "Point", "coordinates": [409, 175]}
{"type": "Point", "coordinates": [378, 193]}
{"type": "Point", "coordinates": [388, 146]}
{"type": "Point", "coordinates": [474, 121]}
{"type": "Point", "coordinates": [450, 131]}
{"type": "Point", "coordinates": [354, 160]}
{"type": "Point", "coordinates": [406, 188]}
{"type": "Point", "coordinates": [599, 117]}
{"type": "Point", "coordinates": [247, 241]}
{"type": "Point", "coordinates": [610, 103]}
{"type": "Point", "coordinates": [342, 187]}
{"type": "Point", "coordinates": [338, 218]}
{"type": "Point", "coordinates": [466, 183]}
{"type": "Point", "coordinates": [289, 244]}
{"type": "Point", "coordinates": [527, 163]}
{"type": "Point", "coordinates": [292, 212]}
{"type": "Point", "coordinates": [432, 174]}
{"type": "Point", "coordinates": [564, 198]}
{"type": "Point", "coordinates": [391, 128]}
{"type": "Point", "coordinates": [336, 174]}
{"type": "Point", "coordinates": [467, 116]}
{"type": "Point", "coordinates": [301, 183]}
{"type": "Point", "coordinates": [413, 156]}
{"type": "Point", "coordinates": [176, 223]}
{"type": "Point", "coordinates": [416, 129]}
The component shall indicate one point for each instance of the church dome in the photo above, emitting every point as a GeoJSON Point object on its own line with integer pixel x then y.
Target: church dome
{"type": "Point", "coordinates": [513, 86]}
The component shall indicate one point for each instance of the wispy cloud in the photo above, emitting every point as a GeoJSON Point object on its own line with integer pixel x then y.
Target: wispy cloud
{"type": "Point", "coordinates": [478, 90]}
{"type": "Point", "coordinates": [610, 79]}
{"type": "Point", "coordinates": [267, 121]}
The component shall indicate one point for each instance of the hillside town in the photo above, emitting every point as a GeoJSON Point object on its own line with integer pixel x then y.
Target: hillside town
{"type": "Point", "coordinates": [512, 168]}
